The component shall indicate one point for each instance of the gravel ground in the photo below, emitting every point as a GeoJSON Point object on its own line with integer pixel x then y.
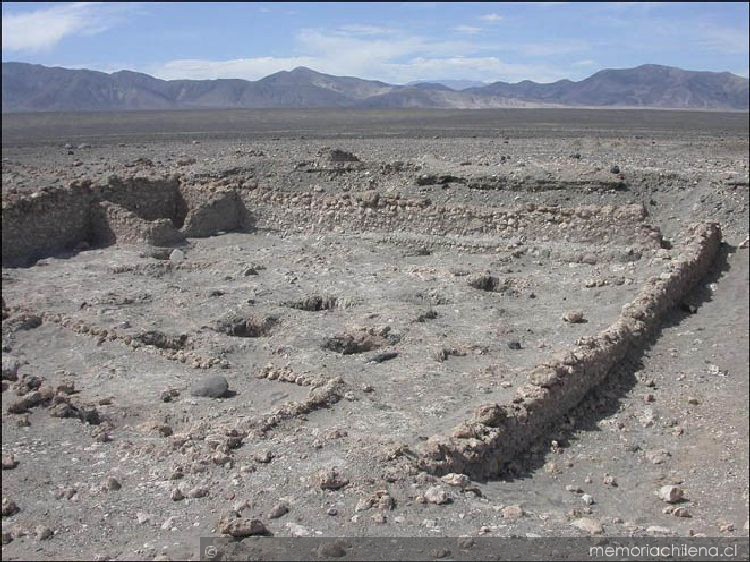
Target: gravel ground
{"type": "Point", "coordinates": [164, 466]}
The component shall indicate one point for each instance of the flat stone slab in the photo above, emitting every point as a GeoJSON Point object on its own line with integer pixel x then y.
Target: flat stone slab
{"type": "Point", "coordinates": [210, 387]}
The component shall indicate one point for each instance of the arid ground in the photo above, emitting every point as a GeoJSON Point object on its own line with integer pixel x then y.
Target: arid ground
{"type": "Point", "coordinates": [501, 323]}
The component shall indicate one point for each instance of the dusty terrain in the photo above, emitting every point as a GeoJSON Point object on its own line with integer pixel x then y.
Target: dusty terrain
{"type": "Point", "coordinates": [365, 300]}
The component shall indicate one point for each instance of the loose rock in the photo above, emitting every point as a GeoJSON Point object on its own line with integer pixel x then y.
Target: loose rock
{"type": "Point", "coordinates": [210, 387]}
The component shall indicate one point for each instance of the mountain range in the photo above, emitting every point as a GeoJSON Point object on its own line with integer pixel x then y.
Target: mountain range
{"type": "Point", "coordinates": [37, 88]}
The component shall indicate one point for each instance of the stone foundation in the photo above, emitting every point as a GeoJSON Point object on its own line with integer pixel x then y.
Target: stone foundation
{"type": "Point", "coordinates": [164, 211]}
{"type": "Point", "coordinates": [482, 446]}
{"type": "Point", "coordinates": [133, 210]}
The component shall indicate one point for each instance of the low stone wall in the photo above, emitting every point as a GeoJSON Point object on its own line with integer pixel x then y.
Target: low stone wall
{"type": "Point", "coordinates": [212, 211]}
{"type": "Point", "coordinates": [149, 198]}
{"type": "Point", "coordinates": [48, 222]}
{"type": "Point", "coordinates": [45, 223]}
{"type": "Point", "coordinates": [130, 210]}
{"type": "Point", "coordinates": [112, 223]}
{"type": "Point", "coordinates": [482, 446]}
{"type": "Point", "coordinates": [371, 212]}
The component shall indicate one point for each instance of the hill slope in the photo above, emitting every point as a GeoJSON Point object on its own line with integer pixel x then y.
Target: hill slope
{"type": "Point", "coordinates": [35, 88]}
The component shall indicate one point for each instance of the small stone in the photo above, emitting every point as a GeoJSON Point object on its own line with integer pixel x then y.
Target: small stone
{"type": "Point", "coordinates": [9, 462]}
{"type": "Point", "coordinates": [169, 394]}
{"type": "Point", "coordinates": [263, 457]}
{"type": "Point", "coordinates": [176, 256]}
{"type": "Point", "coordinates": [9, 507]}
{"type": "Point", "coordinates": [587, 499]}
{"type": "Point", "coordinates": [573, 317]}
{"type": "Point", "coordinates": [198, 492]}
{"type": "Point", "coordinates": [332, 511]}
{"type": "Point", "coordinates": [143, 518]}
{"type": "Point", "coordinates": [440, 553]}
{"type": "Point", "coordinates": [111, 483]}
{"type": "Point", "coordinates": [589, 258]}
{"type": "Point", "coordinates": [42, 532]}
{"type": "Point", "coordinates": [614, 170]}
{"type": "Point", "coordinates": [169, 523]}
{"type": "Point", "coordinates": [512, 512]}
{"type": "Point", "coordinates": [10, 366]}
{"type": "Point", "coordinates": [573, 489]}
{"type": "Point", "coordinates": [279, 510]}
{"type": "Point", "coordinates": [670, 493]}
{"type": "Point", "coordinates": [609, 480]}
{"type": "Point", "coordinates": [212, 387]}
{"type": "Point", "coordinates": [681, 512]}
{"type": "Point", "coordinates": [456, 480]}
{"type": "Point", "coordinates": [241, 527]}
{"type": "Point", "coordinates": [436, 495]}
{"type": "Point", "coordinates": [7, 537]}
{"type": "Point", "coordinates": [177, 495]}
{"type": "Point", "coordinates": [657, 456]}
{"type": "Point", "coordinates": [590, 526]}
{"type": "Point", "coordinates": [727, 528]}
{"type": "Point", "coordinates": [363, 504]}
{"type": "Point", "coordinates": [693, 400]}
{"type": "Point", "coordinates": [379, 518]}
{"type": "Point", "coordinates": [331, 480]}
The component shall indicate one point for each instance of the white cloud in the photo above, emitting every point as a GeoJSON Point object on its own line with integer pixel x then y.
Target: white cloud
{"type": "Point", "coordinates": [549, 49]}
{"type": "Point", "coordinates": [394, 58]}
{"type": "Point", "coordinates": [491, 18]}
{"type": "Point", "coordinates": [42, 29]}
{"type": "Point", "coordinates": [725, 40]}
{"type": "Point", "coordinates": [471, 30]}
{"type": "Point", "coordinates": [247, 69]}
{"type": "Point", "coordinates": [363, 29]}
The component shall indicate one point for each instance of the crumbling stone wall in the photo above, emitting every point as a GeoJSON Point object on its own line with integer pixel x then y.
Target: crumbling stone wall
{"type": "Point", "coordinates": [368, 212]}
{"type": "Point", "coordinates": [211, 211]}
{"type": "Point", "coordinates": [138, 209]}
{"type": "Point", "coordinates": [47, 222]}
{"type": "Point", "coordinates": [111, 223]}
{"type": "Point", "coordinates": [482, 446]}
{"type": "Point", "coordinates": [44, 223]}
{"type": "Point", "coordinates": [149, 199]}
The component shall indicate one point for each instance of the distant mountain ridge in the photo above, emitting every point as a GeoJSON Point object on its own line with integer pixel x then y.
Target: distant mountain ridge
{"type": "Point", "coordinates": [37, 88]}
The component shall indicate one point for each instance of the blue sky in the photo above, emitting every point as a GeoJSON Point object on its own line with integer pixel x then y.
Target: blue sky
{"type": "Point", "coordinates": [394, 42]}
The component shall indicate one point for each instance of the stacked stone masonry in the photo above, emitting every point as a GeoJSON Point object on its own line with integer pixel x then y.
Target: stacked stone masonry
{"type": "Point", "coordinates": [162, 211]}
{"type": "Point", "coordinates": [482, 446]}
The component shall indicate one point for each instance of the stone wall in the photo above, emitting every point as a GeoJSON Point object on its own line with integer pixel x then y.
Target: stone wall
{"type": "Point", "coordinates": [497, 433]}
{"type": "Point", "coordinates": [212, 211]}
{"type": "Point", "coordinates": [112, 223]}
{"type": "Point", "coordinates": [370, 212]}
{"type": "Point", "coordinates": [149, 198]}
{"type": "Point", "coordinates": [45, 223]}
{"type": "Point", "coordinates": [48, 222]}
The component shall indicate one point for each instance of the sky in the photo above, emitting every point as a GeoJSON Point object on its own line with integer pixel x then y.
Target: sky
{"type": "Point", "coordinates": [394, 42]}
